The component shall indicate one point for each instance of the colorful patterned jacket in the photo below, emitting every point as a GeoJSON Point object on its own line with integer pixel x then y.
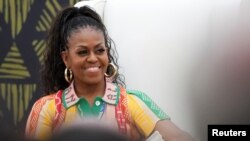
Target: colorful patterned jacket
{"type": "Point", "coordinates": [130, 111]}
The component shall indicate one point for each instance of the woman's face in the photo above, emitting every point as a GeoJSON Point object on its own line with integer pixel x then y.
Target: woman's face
{"type": "Point", "coordinates": [86, 55]}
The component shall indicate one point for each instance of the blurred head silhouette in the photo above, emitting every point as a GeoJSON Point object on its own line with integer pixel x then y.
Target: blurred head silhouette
{"type": "Point", "coordinates": [88, 132]}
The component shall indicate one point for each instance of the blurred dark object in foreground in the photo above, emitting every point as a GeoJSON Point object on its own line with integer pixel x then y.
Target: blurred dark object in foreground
{"type": "Point", "coordinates": [91, 133]}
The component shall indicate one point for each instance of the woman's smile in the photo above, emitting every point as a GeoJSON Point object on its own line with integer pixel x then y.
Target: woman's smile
{"type": "Point", "coordinates": [92, 69]}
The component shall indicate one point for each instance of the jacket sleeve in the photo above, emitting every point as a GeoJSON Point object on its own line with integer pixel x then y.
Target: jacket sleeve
{"type": "Point", "coordinates": [144, 112]}
{"type": "Point", "coordinates": [40, 120]}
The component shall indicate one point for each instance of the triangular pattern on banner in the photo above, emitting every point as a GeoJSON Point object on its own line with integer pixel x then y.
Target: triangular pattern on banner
{"type": "Point", "coordinates": [13, 66]}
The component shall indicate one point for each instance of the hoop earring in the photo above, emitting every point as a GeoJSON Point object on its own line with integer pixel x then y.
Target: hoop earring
{"type": "Point", "coordinates": [113, 69]}
{"type": "Point", "coordinates": [68, 75]}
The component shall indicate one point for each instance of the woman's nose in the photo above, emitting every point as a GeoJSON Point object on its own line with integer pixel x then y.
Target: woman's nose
{"type": "Point", "coordinates": [92, 57]}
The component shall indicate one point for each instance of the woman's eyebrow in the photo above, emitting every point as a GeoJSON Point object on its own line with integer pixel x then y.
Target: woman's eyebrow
{"type": "Point", "coordinates": [97, 45]}
{"type": "Point", "coordinates": [84, 46]}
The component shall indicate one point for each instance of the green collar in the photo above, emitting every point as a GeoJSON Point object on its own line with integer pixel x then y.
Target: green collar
{"type": "Point", "coordinates": [111, 95]}
{"type": "Point", "coordinates": [86, 110]}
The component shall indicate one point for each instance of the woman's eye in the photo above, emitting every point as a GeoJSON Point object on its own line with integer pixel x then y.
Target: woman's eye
{"type": "Point", "coordinates": [82, 52]}
{"type": "Point", "coordinates": [100, 50]}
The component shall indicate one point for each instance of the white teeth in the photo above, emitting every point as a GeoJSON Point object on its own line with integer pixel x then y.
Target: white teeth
{"type": "Point", "coordinates": [92, 69]}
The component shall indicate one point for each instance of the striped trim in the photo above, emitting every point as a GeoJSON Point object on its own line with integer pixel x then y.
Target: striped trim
{"type": "Point", "coordinates": [144, 118]}
{"type": "Point", "coordinates": [121, 113]}
{"type": "Point", "coordinates": [150, 104]}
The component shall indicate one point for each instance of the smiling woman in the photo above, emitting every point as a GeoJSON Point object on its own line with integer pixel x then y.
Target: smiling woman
{"type": "Point", "coordinates": [86, 56]}
{"type": "Point", "coordinates": [82, 83]}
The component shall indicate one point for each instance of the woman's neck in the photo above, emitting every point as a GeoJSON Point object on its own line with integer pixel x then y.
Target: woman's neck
{"type": "Point", "coordinates": [90, 91]}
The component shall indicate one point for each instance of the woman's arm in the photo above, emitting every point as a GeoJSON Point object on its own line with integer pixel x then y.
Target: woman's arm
{"type": "Point", "coordinates": [170, 132]}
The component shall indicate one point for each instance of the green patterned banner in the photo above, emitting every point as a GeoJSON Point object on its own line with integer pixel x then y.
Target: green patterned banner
{"type": "Point", "coordinates": [23, 28]}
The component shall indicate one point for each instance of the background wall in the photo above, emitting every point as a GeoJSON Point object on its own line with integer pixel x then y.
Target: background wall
{"type": "Point", "coordinates": [158, 43]}
{"type": "Point", "coordinates": [170, 49]}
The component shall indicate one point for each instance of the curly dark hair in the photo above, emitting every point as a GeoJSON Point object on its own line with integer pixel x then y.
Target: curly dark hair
{"type": "Point", "coordinates": [68, 20]}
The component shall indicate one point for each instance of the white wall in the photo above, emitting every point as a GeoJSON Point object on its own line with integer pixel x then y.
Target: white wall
{"type": "Point", "coordinates": [163, 44]}
{"type": "Point", "coordinates": [158, 42]}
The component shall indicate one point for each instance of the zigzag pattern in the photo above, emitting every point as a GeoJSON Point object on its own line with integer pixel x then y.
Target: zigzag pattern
{"type": "Point", "coordinates": [15, 12]}
{"type": "Point", "coordinates": [17, 98]}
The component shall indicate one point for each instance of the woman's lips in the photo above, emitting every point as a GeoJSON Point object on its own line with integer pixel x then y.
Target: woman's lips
{"type": "Point", "coordinates": [92, 69]}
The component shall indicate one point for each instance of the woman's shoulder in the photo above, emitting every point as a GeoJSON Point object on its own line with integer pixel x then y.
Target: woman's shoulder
{"type": "Point", "coordinates": [137, 98]}
{"type": "Point", "coordinates": [47, 97]}
{"type": "Point", "coordinates": [50, 98]}
{"type": "Point", "coordinates": [137, 94]}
